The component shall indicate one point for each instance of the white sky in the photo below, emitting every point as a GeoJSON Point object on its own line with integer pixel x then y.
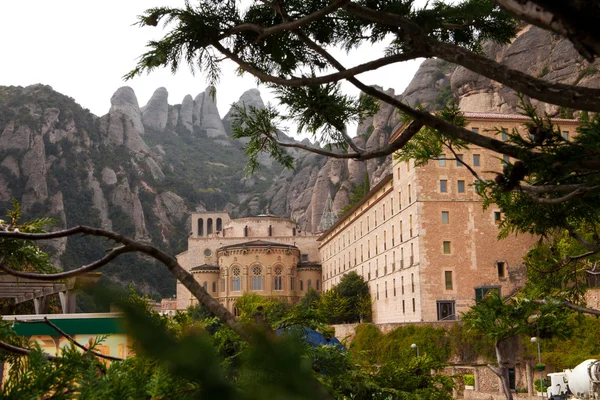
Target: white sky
{"type": "Point", "coordinates": [83, 48]}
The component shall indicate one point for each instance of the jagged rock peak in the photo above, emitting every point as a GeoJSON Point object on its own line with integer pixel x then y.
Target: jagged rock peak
{"type": "Point", "coordinates": [125, 101]}
{"type": "Point", "coordinates": [206, 115]}
{"type": "Point", "coordinates": [186, 113]}
{"type": "Point", "coordinates": [156, 112]}
{"type": "Point", "coordinates": [250, 97]}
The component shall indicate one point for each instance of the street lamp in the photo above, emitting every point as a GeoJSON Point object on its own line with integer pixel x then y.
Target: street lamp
{"type": "Point", "coordinates": [537, 340]}
{"type": "Point", "coordinates": [414, 346]}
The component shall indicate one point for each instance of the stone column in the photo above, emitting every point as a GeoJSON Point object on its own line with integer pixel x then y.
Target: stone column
{"type": "Point", "coordinates": [476, 378]}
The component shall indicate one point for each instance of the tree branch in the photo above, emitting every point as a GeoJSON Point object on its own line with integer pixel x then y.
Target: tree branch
{"type": "Point", "coordinates": [20, 350]}
{"type": "Point", "coordinates": [288, 25]}
{"type": "Point", "coordinates": [579, 98]}
{"type": "Point", "coordinates": [171, 263]}
{"type": "Point", "coordinates": [558, 200]}
{"type": "Point", "coordinates": [535, 13]}
{"type": "Point", "coordinates": [570, 305]}
{"type": "Point", "coordinates": [113, 254]}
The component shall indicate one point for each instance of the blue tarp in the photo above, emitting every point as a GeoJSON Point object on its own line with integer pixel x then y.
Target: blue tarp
{"type": "Point", "coordinates": [312, 337]}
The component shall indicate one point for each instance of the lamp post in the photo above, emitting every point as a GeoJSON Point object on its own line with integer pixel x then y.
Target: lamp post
{"type": "Point", "coordinates": [537, 340]}
{"type": "Point", "coordinates": [414, 346]}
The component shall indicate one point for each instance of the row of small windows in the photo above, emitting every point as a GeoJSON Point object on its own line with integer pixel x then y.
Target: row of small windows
{"type": "Point", "coordinates": [460, 186]}
{"type": "Point", "coordinates": [459, 160]}
{"type": "Point", "coordinates": [209, 226]}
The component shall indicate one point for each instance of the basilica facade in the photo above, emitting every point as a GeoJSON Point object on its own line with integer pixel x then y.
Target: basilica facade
{"type": "Point", "coordinates": [266, 255]}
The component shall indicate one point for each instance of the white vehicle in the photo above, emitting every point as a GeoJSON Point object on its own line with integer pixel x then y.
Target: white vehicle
{"type": "Point", "coordinates": [581, 382]}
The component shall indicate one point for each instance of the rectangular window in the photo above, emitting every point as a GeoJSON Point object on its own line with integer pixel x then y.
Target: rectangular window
{"type": "Point", "coordinates": [497, 217]}
{"type": "Point", "coordinates": [460, 185]}
{"type": "Point", "coordinates": [403, 307]}
{"type": "Point", "coordinates": [445, 217]}
{"type": "Point", "coordinates": [448, 279]}
{"type": "Point", "coordinates": [402, 285]}
{"type": "Point", "coordinates": [386, 289]}
{"type": "Point", "coordinates": [476, 160]}
{"type": "Point", "coordinates": [501, 266]}
{"type": "Point", "coordinates": [394, 283]}
{"type": "Point", "coordinates": [475, 130]}
{"type": "Point", "coordinates": [257, 283]}
{"type": "Point", "coordinates": [443, 186]}
{"type": "Point", "coordinates": [565, 135]}
{"type": "Point", "coordinates": [442, 160]}
{"type": "Point", "coordinates": [377, 291]}
{"type": "Point", "coordinates": [301, 285]}
{"type": "Point", "coordinates": [399, 200]}
{"type": "Point", "coordinates": [445, 311]}
{"type": "Point", "coordinates": [459, 158]}
{"type": "Point", "coordinates": [412, 254]}
{"type": "Point", "coordinates": [410, 226]}
{"type": "Point", "coordinates": [292, 285]}
{"type": "Point", "coordinates": [414, 306]}
{"type": "Point", "coordinates": [481, 291]}
{"type": "Point", "coordinates": [447, 247]}
{"type": "Point", "coordinates": [412, 282]}
{"type": "Point", "coordinates": [506, 159]}
{"type": "Point", "coordinates": [409, 195]}
{"type": "Point", "coordinates": [504, 135]}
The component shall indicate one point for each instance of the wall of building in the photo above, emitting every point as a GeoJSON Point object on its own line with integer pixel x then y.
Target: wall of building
{"type": "Point", "coordinates": [398, 233]}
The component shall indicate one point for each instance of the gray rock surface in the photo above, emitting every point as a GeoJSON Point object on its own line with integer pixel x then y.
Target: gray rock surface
{"type": "Point", "coordinates": [156, 112]}
{"type": "Point", "coordinates": [206, 115]}
{"type": "Point", "coordinates": [186, 113]}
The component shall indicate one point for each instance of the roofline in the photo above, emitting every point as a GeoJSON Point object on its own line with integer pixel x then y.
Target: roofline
{"type": "Point", "coordinates": [246, 244]}
{"type": "Point", "coordinates": [264, 217]}
{"type": "Point", "coordinates": [362, 201]}
{"type": "Point", "coordinates": [469, 115]}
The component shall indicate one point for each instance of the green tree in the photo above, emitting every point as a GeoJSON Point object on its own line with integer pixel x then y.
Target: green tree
{"type": "Point", "coordinates": [502, 319]}
{"type": "Point", "coordinates": [349, 301]}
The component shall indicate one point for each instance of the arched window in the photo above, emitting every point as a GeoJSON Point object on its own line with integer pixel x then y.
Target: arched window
{"type": "Point", "coordinates": [219, 225]}
{"type": "Point", "coordinates": [257, 279]}
{"type": "Point", "coordinates": [318, 285]}
{"type": "Point", "coordinates": [277, 280]}
{"type": "Point", "coordinates": [209, 226]}
{"type": "Point", "coordinates": [205, 286]}
{"type": "Point", "coordinates": [214, 287]}
{"type": "Point", "coordinates": [200, 227]}
{"type": "Point", "coordinates": [236, 312]}
{"type": "Point", "coordinates": [309, 284]}
{"type": "Point", "coordinates": [236, 280]}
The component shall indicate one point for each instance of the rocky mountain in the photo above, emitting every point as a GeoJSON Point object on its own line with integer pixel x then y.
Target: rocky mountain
{"type": "Point", "coordinates": [142, 170]}
{"type": "Point", "coordinates": [136, 170]}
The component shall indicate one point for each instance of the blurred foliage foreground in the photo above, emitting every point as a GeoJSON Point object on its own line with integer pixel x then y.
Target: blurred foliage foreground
{"type": "Point", "coordinates": [194, 356]}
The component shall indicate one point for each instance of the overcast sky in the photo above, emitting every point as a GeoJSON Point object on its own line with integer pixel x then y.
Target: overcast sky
{"type": "Point", "coordinates": [83, 48]}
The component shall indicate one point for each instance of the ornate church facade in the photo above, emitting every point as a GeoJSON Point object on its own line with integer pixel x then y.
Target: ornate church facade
{"type": "Point", "coordinates": [266, 255]}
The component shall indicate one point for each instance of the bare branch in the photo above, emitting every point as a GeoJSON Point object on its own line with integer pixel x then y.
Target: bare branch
{"type": "Point", "coordinates": [288, 25]}
{"type": "Point", "coordinates": [570, 305]}
{"type": "Point", "coordinates": [471, 170]}
{"type": "Point", "coordinates": [558, 200]}
{"type": "Point", "coordinates": [556, 188]}
{"type": "Point", "coordinates": [113, 254]}
{"type": "Point", "coordinates": [586, 245]}
{"type": "Point", "coordinates": [171, 263]}
{"type": "Point", "coordinates": [20, 350]}
{"type": "Point", "coordinates": [319, 80]}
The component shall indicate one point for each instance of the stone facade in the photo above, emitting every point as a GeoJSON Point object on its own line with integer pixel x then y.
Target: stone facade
{"type": "Point", "coordinates": [266, 255]}
{"type": "Point", "coordinates": [421, 239]}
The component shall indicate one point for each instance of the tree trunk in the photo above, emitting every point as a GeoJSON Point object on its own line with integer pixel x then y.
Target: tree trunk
{"type": "Point", "coordinates": [501, 372]}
